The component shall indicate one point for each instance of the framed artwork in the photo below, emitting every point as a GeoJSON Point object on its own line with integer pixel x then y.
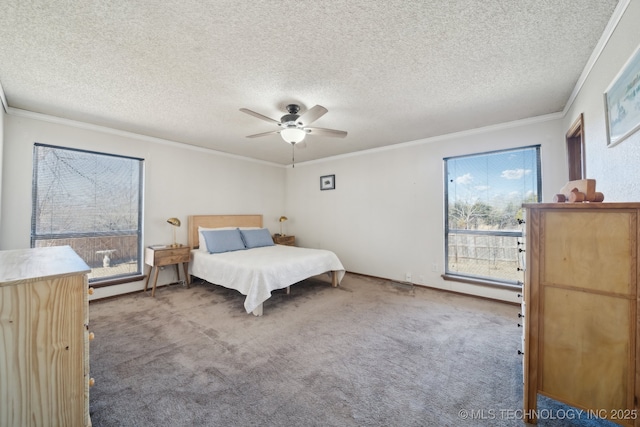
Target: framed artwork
{"type": "Point", "coordinates": [622, 102]}
{"type": "Point", "coordinates": [328, 182]}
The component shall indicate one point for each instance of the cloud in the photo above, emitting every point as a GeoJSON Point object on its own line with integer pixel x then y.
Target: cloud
{"type": "Point", "coordinates": [464, 179]}
{"type": "Point", "coordinates": [514, 173]}
{"type": "Point", "coordinates": [482, 187]}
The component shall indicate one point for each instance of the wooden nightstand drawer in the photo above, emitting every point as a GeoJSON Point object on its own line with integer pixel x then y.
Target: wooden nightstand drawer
{"type": "Point", "coordinates": [170, 259]}
{"type": "Point", "coordinates": [166, 256]}
{"type": "Point", "coordinates": [284, 240]}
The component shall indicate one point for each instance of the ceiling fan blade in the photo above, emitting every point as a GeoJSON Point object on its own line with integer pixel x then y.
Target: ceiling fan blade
{"type": "Point", "coordinates": [311, 115]}
{"type": "Point", "coordinates": [258, 115]}
{"type": "Point", "coordinates": [326, 132]}
{"type": "Point", "coordinates": [256, 135]}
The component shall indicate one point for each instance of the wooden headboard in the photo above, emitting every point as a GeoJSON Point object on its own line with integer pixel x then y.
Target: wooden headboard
{"type": "Point", "coordinates": [217, 221]}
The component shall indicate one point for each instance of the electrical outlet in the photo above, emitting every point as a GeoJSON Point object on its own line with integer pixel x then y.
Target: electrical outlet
{"type": "Point", "coordinates": [408, 277]}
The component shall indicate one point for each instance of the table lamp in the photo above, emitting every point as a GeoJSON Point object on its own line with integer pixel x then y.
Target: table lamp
{"type": "Point", "coordinates": [176, 223]}
{"type": "Point", "coordinates": [282, 220]}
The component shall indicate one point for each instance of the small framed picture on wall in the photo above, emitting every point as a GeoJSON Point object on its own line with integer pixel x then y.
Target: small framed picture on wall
{"type": "Point", "coordinates": [328, 182]}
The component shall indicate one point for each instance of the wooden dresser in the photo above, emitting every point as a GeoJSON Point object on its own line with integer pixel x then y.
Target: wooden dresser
{"type": "Point", "coordinates": [582, 307]}
{"type": "Point", "coordinates": [44, 338]}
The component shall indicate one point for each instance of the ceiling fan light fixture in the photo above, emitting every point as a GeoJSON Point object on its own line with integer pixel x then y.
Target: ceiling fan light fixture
{"type": "Point", "coordinates": [293, 127]}
{"type": "Point", "coordinates": [292, 135]}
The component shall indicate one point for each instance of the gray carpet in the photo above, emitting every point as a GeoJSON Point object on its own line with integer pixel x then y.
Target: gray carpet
{"type": "Point", "coordinates": [369, 353]}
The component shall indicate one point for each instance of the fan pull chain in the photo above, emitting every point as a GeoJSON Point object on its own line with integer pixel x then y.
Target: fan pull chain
{"type": "Point", "coordinates": [293, 155]}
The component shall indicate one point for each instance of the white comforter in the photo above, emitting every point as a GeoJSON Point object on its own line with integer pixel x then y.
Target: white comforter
{"type": "Point", "coordinates": [259, 271]}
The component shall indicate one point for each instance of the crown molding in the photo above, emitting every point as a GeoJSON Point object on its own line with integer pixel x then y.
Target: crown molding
{"type": "Point", "coordinates": [17, 112]}
{"type": "Point", "coordinates": [439, 138]}
{"type": "Point", "coordinates": [103, 129]}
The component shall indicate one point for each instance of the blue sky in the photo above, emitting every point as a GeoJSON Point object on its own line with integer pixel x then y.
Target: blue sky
{"type": "Point", "coordinates": [496, 178]}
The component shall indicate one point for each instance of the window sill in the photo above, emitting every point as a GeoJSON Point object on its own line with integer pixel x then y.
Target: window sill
{"type": "Point", "coordinates": [482, 282]}
{"type": "Point", "coordinates": [116, 281]}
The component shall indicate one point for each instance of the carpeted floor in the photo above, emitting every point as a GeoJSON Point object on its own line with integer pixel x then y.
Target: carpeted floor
{"type": "Point", "coordinates": [369, 353]}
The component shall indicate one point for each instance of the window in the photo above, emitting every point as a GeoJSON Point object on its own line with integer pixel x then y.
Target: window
{"type": "Point", "coordinates": [483, 201]}
{"type": "Point", "coordinates": [91, 202]}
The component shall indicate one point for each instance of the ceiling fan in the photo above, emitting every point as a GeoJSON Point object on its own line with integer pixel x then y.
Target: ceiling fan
{"type": "Point", "coordinates": [294, 127]}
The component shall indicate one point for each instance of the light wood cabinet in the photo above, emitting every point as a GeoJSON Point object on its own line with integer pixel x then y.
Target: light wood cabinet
{"type": "Point", "coordinates": [581, 302]}
{"type": "Point", "coordinates": [44, 338]}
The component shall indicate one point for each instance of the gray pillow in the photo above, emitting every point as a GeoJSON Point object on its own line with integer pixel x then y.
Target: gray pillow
{"type": "Point", "coordinates": [256, 238]}
{"type": "Point", "coordinates": [219, 241]}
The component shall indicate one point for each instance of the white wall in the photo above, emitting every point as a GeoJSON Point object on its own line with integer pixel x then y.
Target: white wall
{"type": "Point", "coordinates": [2, 119]}
{"type": "Point", "coordinates": [386, 216]}
{"type": "Point", "coordinates": [179, 181]}
{"type": "Point", "coordinates": [616, 169]}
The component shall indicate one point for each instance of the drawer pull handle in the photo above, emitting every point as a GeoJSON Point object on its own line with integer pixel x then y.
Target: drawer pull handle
{"type": "Point", "coordinates": [92, 382]}
{"type": "Point", "coordinates": [90, 291]}
{"type": "Point", "coordinates": [91, 336]}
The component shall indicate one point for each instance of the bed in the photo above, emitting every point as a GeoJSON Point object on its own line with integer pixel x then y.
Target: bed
{"type": "Point", "coordinates": [259, 270]}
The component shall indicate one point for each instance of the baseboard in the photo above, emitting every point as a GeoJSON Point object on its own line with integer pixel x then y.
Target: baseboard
{"type": "Point", "coordinates": [439, 289]}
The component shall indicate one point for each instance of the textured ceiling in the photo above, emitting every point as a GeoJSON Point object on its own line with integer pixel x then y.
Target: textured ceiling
{"type": "Point", "coordinates": [388, 72]}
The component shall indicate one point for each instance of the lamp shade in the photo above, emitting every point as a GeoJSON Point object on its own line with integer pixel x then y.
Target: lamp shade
{"type": "Point", "coordinates": [292, 135]}
{"type": "Point", "coordinates": [174, 221]}
{"type": "Point", "coordinates": [283, 218]}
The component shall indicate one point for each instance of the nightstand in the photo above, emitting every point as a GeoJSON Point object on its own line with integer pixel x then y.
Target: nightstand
{"type": "Point", "coordinates": [166, 255]}
{"type": "Point", "coordinates": [284, 240]}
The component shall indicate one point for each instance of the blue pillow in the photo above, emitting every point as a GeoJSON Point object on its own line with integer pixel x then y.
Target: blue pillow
{"type": "Point", "coordinates": [219, 241]}
{"type": "Point", "coordinates": [256, 238]}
